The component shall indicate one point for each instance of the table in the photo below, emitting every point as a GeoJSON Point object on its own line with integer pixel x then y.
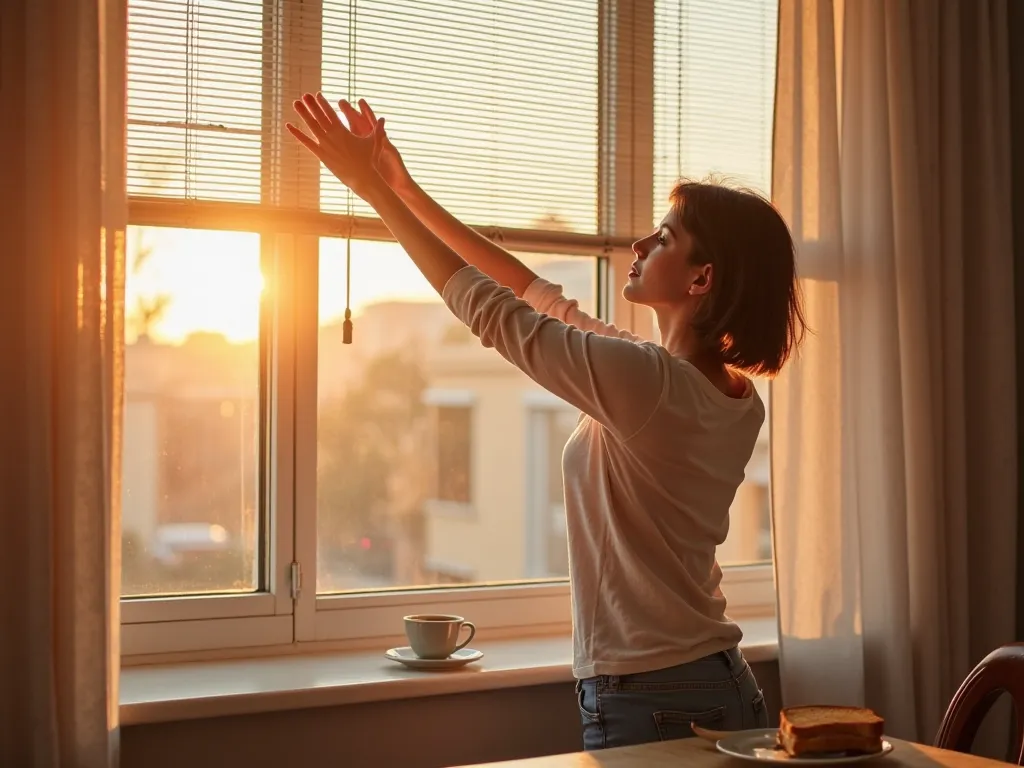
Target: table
{"type": "Point", "coordinates": [699, 753]}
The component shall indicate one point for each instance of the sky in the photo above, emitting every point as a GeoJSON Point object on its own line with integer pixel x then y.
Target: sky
{"type": "Point", "coordinates": [493, 104]}
{"type": "Point", "coordinates": [213, 280]}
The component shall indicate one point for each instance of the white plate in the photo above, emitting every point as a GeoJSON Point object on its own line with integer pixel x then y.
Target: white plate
{"type": "Point", "coordinates": [458, 659]}
{"type": "Point", "coordinates": [759, 745]}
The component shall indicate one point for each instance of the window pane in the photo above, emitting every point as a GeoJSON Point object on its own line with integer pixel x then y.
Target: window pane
{"type": "Point", "coordinates": [714, 101]}
{"type": "Point", "coordinates": [750, 536]}
{"type": "Point", "coordinates": [494, 105]}
{"type": "Point", "coordinates": [190, 500]}
{"type": "Point", "coordinates": [423, 475]}
{"type": "Point", "coordinates": [714, 92]}
{"type": "Point", "coordinates": [195, 109]}
{"type": "Point", "coordinates": [551, 427]}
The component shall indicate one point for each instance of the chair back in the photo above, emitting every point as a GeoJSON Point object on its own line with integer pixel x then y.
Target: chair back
{"type": "Point", "coordinates": [1002, 671]}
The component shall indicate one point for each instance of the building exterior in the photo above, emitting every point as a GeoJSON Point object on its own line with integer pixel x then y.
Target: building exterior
{"type": "Point", "coordinates": [471, 449]}
{"type": "Point", "coordinates": [189, 478]}
{"type": "Point", "coordinates": [494, 511]}
{"type": "Point", "coordinates": [502, 436]}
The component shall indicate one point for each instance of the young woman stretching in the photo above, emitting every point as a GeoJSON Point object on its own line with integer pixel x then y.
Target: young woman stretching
{"type": "Point", "coordinates": [654, 463]}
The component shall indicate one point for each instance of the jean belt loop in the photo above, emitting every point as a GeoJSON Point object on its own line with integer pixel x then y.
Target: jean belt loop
{"type": "Point", "coordinates": [611, 683]}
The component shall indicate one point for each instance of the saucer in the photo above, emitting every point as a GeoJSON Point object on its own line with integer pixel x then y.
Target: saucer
{"type": "Point", "coordinates": [458, 659]}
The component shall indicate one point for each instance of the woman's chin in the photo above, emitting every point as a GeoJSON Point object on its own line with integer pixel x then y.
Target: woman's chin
{"type": "Point", "coordinates": [631, 292]}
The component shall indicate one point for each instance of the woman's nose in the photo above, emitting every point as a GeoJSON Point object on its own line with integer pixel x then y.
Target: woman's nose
{"type": "Point", "coordinates": [638, 248]}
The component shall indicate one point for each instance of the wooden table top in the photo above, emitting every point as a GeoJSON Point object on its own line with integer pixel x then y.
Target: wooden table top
{"type": "Point", "coordinates": [699, 753]}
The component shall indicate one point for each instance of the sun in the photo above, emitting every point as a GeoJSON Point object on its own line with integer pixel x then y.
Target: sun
{"type": "Point", "coordinates": [202, 280]}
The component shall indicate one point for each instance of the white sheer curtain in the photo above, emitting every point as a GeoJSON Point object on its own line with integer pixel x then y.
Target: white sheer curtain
{"type": "Point", "coordinates": [894, 442]}
{"type": "Point", "coordinates": [63, 223]}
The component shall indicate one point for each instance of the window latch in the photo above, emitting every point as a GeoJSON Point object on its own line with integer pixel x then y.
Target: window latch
{"type": "Point", "coordinates": [296, 575]}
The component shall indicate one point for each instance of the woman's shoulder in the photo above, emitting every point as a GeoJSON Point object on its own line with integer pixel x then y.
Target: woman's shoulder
{"type": "Point", "coordinates": [689, 387]}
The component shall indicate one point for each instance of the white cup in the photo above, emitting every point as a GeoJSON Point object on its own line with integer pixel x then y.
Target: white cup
{"type": "Point", "coordinates": [436, 636]}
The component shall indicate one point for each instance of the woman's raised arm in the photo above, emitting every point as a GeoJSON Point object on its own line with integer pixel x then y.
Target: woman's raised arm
{"type": "Point", "coordinates": [616, 381]}
{"type": "Point", "coordinates": [484, 254]}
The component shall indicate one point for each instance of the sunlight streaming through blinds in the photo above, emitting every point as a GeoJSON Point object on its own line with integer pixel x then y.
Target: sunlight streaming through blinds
{"type": "Point", "coordinates": [195, 74]}
{"type": "Point", "coordinates": [714, 92]}
{"type": "Point", "coordinates": [493, 103]}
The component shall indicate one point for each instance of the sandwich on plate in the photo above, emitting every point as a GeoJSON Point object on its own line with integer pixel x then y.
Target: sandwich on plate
{"type": "Point", "coordinates": [814, 730]}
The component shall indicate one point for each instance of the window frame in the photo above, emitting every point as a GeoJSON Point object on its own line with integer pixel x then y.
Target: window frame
{"type": "Point", "coordinates": [164, 624]}
{"type": "Point", "coordinates": [289, 615]}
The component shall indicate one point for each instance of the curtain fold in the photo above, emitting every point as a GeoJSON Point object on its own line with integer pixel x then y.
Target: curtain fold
{"type": "Point", "coordinates": [894, 468]}
{"type": "Point", "coordinates": [62, 68]}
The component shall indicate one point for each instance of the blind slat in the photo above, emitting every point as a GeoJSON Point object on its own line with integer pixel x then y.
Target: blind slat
{"type": "Point", "coordinates": [493, 103]}
{"type": "Point", "coordinates": [463, 82]}
{"type": "Point", "coordinates": [714, 91]}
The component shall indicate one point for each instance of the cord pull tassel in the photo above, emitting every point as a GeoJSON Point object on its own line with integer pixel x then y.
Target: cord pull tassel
{"type": "Point", "coordinates": [346, 328]}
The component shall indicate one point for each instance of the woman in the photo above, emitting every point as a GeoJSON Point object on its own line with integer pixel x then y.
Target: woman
{"type": "Point", "coordinates": [667, 431]}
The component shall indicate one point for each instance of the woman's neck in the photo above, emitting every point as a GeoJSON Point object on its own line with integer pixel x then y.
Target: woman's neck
{"type": "Point", "coordinates": [677, 334]}
{"type": "Point", "coordinates": [679, 338]}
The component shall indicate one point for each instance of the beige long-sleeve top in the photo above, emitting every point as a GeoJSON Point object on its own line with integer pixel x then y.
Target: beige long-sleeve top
{"type": "Point", "coordinates": [649, 475]}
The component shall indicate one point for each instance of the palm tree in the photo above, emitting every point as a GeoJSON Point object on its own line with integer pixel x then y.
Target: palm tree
{"type": "Point", "coordinates": [149, 310]}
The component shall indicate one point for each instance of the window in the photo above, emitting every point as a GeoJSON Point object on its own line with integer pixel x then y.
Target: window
{"type": "Point", "coordinates": [191, 512]}
{"type": "Point", "coordinates": [454, 443]}
{"type": "Point", "coordinates": [282, 486]}
{"type": "Point", "coordinates": [422, 444]}
{"type": "Point", "coordinates": [704, 49]}
{"type": "Point", "coordinates": [464, 88]}
{"type": "Point", "coordinates": [714, 92]}
{"type": "Point", "coordinates": [551, 422]}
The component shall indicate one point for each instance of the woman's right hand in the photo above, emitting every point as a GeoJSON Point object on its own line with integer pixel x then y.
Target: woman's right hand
{"type": "Point", "coordinates": [362, 122]}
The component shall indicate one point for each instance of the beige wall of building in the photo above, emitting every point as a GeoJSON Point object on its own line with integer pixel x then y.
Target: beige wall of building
{"type": "Point", "coordinates": [489, 538]}
{"type": "Point", "coordinates": [485, 538]}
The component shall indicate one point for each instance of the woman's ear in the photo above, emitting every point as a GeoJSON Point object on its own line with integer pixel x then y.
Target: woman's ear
{"type": "Point", "coordinates": [702, 282]}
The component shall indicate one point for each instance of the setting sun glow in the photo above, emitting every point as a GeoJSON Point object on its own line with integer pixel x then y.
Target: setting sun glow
{"type": "Point", "coordinates": [206, 281]}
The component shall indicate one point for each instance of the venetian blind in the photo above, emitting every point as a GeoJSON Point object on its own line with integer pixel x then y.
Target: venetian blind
{"type": "Point", "coordinates": [714, 92]}
{"type": "Point", "coordinates": [493, 103]}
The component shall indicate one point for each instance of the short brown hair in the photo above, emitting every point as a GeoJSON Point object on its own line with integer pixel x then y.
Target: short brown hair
{"type": "Point", "coordinates": [752, 314]}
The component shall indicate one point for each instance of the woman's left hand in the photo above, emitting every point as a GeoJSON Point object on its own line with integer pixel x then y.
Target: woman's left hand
{"type": "Point", "coordinates": [351, 158]}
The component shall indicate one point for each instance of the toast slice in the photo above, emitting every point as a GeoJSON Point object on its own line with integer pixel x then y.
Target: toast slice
{"type": "Point", "coordinates": [816, 729]}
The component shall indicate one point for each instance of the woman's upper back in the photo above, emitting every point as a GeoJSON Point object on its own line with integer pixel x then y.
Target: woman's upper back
{"type": "Point", "coordinates": [649, 474]}
{"type": "Point", "coordinates": [645, 515]}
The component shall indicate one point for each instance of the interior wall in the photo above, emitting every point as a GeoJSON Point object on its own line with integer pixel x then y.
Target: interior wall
{"type": "Point", "coordinates": [430, 732]}
{"type": "Point", "coordinates": [488, 726]}
{"type": "Point", "coordinates": [1015, 30]}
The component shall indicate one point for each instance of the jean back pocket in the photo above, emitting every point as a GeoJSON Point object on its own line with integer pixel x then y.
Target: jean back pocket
{"type": "Point", "coordinates": [675, 724]}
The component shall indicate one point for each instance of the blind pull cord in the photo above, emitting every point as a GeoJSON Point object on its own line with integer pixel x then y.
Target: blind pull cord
{"type": "Point", "coordinates": [346, 326]}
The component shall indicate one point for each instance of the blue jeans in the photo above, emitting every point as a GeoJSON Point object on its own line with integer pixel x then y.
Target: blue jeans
{"type": "Point", "coordinates": [718, 691]}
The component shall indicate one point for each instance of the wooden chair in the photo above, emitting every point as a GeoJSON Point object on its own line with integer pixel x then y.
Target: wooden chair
{"type": "Point", "coordinates": [1002, 671]}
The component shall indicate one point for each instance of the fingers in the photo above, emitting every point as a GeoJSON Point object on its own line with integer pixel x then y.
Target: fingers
{"type": "Point", "coordinates": [326, 131]}
{"type": "Point", "coordinates": [327, 110]}
{"type": "Point", "coordinates": [319, 117]}
{"type": "Point", "coordinates": [367, 111]}
{"type": "Point", "coordinates": [305, 140]}
{"type": "Point", "coordinates": [316, 110]}
{"type": "Point", "coordinates": [379, 137]}
{"type": "Point", "coordinates": [358, 124]}
{"type": "Point", "coordinates": [302, 110]}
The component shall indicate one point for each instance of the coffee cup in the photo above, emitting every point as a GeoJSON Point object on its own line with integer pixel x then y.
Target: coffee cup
{"type": "Point", "coordinates": [436, 636]}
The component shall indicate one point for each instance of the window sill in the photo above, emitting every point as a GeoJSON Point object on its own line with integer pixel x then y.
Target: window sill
{"type": "Point", "coordinates": [195, 690]}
